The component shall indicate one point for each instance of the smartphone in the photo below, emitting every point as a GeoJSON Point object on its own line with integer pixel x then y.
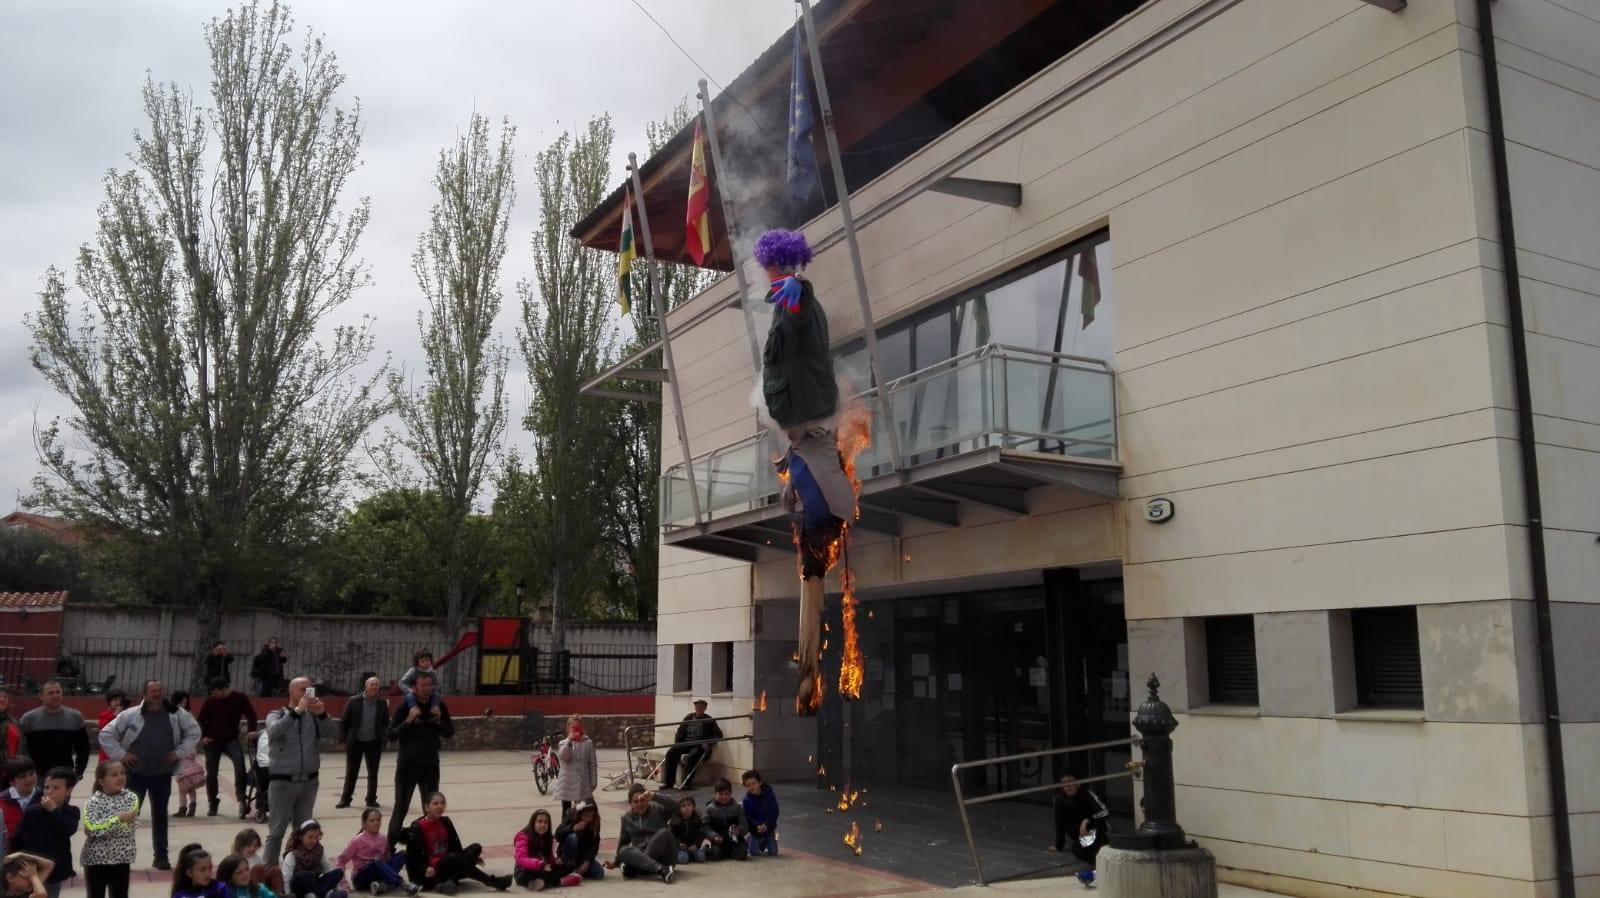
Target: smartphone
{"type": "Point", "coordinates": [311, 693]}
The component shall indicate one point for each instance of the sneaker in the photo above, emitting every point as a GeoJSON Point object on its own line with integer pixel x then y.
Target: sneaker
{"type": "Point", "coordinates": [338, 893]}
{"type": "Point", "coordinates": [503, 881]}
{"type": "Point", "coordinates": [373, 803]}
{"type": "Point", "coordinates": [343, 803]}
{"type": "Point", "coordinates": [537, 885]}
{"type": "Point", "coordinates": [411, 888]}
{"type": "Point", "coordinates": [1087, 878]}
{"type": "Point", "coordinates": [445, 888]}
{"type": "Point", "coordinates": [211, 809]}
{"type": "Point", "coordinates": [181, 812]}
{"type": "Point", "coordinates": [161, 864]}
{"type": "Point", "coordinates": [377, 888]}
{"type": "Point", "coordinates": [667, 873]}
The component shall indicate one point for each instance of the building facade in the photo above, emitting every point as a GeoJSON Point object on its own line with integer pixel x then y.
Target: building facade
{"type": "Point", "coordinates": [1283, 215]}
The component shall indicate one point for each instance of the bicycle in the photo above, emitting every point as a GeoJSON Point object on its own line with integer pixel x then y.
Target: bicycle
{"type": "Point", "coordinates": [546, 766]}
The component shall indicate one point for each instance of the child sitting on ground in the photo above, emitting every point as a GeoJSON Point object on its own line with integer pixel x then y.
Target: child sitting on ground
{"type": "Point", "coordinates": [435, 857]}
{"type": "Point", "coordinates": [690, 831]}
{"type": "Point", "coordinates": [578, 841]}
{"type": "Point", "coordinates": [306, 867]}
{"type": "Point", "coordinates": [25, 875]}
{"type": "Point", "coordinates": [247, 844]}
{"type": "Point", "coordinates": [234, 874]}
{"type": "Point", "coordinates": [194, 876]}
{"type": "Point", "coordinates": [372, 867]}
{"type": "Point", "coordinates": [761, 812]}
{"type": "Point", "coordinates": [535, 851]}
{"type": "Point", "coordinates": [726, 827]}
{"type": "Point", "coordinates": [48, 826]}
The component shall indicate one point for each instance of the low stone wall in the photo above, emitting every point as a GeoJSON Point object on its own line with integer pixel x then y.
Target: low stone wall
{"type": "Point", "coordinates": [506, 732]}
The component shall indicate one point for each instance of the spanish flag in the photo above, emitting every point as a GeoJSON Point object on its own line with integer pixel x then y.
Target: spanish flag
{"type": "Point", "coordinates": [697, 223]}
{"type": "Point", "coordinates": [625, 254]}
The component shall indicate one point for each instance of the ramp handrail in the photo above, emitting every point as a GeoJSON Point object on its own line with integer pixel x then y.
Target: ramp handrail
{"type": "Point", "coordinates": [963, 802]}
{"type": "Point", "coordinates": [627, 733]}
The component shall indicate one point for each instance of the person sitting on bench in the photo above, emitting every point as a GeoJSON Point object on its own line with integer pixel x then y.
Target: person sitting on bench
{"type": "Point", "coordinates": [696, 727]}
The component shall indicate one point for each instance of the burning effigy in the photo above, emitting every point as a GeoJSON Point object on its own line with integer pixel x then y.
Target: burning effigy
{"type": "Point", "coordinates": [801, 395]}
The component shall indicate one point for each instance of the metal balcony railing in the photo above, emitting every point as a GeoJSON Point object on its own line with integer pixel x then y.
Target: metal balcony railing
{"type": "Point", "coordinates": [991, 396]}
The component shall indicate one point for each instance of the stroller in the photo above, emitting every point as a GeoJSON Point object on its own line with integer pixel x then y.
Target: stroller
{"type": "Point", "coordinates": [255, 786]}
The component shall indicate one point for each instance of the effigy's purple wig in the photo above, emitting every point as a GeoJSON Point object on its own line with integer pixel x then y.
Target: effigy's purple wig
{"type": "Point", "coordinates": [779, 248]}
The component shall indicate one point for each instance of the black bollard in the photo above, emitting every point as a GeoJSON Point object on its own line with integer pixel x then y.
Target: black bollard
{"type": "Point", "coordinates": [1160, 828]}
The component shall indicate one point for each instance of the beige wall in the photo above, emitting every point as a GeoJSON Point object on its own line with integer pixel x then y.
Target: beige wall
{"type": "Point", "coordinates": [1311, 362]}
{"type": "Point", "coordinates": [1549, 57]}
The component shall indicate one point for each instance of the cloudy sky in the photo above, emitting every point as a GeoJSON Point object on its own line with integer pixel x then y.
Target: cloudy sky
{"type": "Point", "coordinates": [71, 72]}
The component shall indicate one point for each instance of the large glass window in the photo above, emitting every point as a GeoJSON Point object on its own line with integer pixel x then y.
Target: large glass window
{"type": "Point", "coordinates": [1060, 303]}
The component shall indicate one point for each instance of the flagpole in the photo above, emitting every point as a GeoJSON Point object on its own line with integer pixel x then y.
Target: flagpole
{"type": "Point", "coordinates": [843, 190]}
{"type": "Point", "coordinates": [659, 305]}
{"type": "Point", "coordinates": [727, 222]}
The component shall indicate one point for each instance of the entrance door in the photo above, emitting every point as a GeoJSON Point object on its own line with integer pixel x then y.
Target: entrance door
{"type": "Point", "coordinates": [1008, 686]}
{"type": "Point", "coordinates": [1093, 680]}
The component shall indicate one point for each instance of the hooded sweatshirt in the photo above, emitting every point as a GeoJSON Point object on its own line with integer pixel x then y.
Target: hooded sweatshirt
{"type": "Point", "coordinates": [762, 809]}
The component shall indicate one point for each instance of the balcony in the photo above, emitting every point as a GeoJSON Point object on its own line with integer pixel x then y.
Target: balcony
{"type": "Point", "coordinates": [982, 430]}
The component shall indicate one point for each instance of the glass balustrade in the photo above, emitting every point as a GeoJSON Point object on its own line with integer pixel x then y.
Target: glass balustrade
{"type": "Point", "coordinates": [993, 396]}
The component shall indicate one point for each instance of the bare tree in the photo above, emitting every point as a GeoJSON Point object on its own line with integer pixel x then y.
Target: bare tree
{"type": "Point", "coordinates": [453, 422]}
{"type": "Point", "coordinates": [567, 337]}
{"type": "Point", "coordinates": [214, 413]}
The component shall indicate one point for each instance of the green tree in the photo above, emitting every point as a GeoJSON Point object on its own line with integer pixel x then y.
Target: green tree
{"type": "Point", "coordinates": [214, 414]}
{"type": "Point", "coordinates": [566, 337]}
{"type": "Point", "coordinates": [382, 557]}
{"type": "Point", "coordinates": [453, 421]}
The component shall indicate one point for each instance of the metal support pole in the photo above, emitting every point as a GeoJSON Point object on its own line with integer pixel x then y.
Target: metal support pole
{"type": "Point", "coordinates": [666, 342]}
{"type": "Point", "coordinates": [836, 161]}
{"type": "Point", "coordinates": [727, 221]}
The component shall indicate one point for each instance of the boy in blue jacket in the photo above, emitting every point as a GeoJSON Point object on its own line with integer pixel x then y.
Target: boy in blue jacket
{"type": "Point", "coordinates": [761, 812]}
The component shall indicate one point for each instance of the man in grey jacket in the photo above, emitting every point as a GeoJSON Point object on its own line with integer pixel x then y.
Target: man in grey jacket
{"type": "Point", "coordinates": [292, 732]}
{"type": "Point", "coordinates": [646, 847]}
{"type": "Point", "coordinates": [148, 739]}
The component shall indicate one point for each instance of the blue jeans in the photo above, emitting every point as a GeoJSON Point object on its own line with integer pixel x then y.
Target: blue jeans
{"type": "Point", "coordinates": [697, 854]}
{"type": "Point", "coordinates": [159, 792]}
{"type": "Point", "coordinates": [386, 872]}
{"type": "Point", "coordinates": [767, 841]}
{"type": "Point", "coordinates": [590, 869]}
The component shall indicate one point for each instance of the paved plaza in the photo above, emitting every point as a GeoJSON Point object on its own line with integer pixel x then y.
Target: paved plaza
{"type": "Point", "coordinates": [491, 796]}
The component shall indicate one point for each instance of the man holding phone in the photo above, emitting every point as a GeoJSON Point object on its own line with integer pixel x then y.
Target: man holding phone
{"type": "Point", "coordinates": [292, 732]}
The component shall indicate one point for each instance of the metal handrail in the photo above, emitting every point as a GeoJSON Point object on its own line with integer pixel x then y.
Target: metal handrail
{"type": "Point", "coordinates": [627, 731]}
{"type": "Point", "coordinates": [964, 359]}
{"type": "Point", "coordinates": [963, 802]}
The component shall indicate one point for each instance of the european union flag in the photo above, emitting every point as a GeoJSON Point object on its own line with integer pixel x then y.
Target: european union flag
{"type": "Point", "coordinates": [802, 155]}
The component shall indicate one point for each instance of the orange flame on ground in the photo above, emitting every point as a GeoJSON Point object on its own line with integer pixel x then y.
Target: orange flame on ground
{"type": "Point", "coordinates": [761, 703]}
{"type": "Point", "coordinates": [853, 838]}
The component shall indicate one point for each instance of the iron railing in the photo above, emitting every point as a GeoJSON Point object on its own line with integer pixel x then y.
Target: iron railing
{"type": "Point", "coordinates": [627, 739]}
{"type": "Point", "coordinates": [963, 802]}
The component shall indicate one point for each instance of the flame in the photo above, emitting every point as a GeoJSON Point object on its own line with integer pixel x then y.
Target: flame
{"type": "Point", "coordinates": [853, 838]}
{"type": "Point", "coordinates": [761, 703]}
{"type": "Point", "coordinates": [877, 826]}
{"type": "Point", "coordinates": [822, 771]}
{"type": "Point", "coordinates": [847, 797]}
{"type": "Point", "coordinates": [852, 666]}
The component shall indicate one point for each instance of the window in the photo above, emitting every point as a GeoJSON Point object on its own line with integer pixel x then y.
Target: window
{"type": "Point", "coordinates": [1388, 662]}
{"type": "Point", "coordinates": [682, 667]}
{"type": "Point", "coordinates": [1231, 659]}
{"type": "Point", "coordinates": [722, 667]}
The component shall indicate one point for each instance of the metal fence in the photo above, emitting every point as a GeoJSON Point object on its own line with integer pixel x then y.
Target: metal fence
{"type": "Point", "coordinates": [106, 662]}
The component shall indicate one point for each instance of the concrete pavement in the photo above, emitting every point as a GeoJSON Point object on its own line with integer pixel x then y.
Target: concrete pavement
{"type": "Point", "coordinates": [491, 796]}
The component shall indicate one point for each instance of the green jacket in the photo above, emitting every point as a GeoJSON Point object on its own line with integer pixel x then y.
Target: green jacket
{"type": "Point", "coordinates": [797, 364]}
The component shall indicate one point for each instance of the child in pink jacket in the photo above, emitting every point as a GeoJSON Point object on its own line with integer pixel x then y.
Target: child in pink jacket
{"type": "Point", "coordinates": [372, 868]}
{"type": "Point", "coordinates": [537, 867]}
